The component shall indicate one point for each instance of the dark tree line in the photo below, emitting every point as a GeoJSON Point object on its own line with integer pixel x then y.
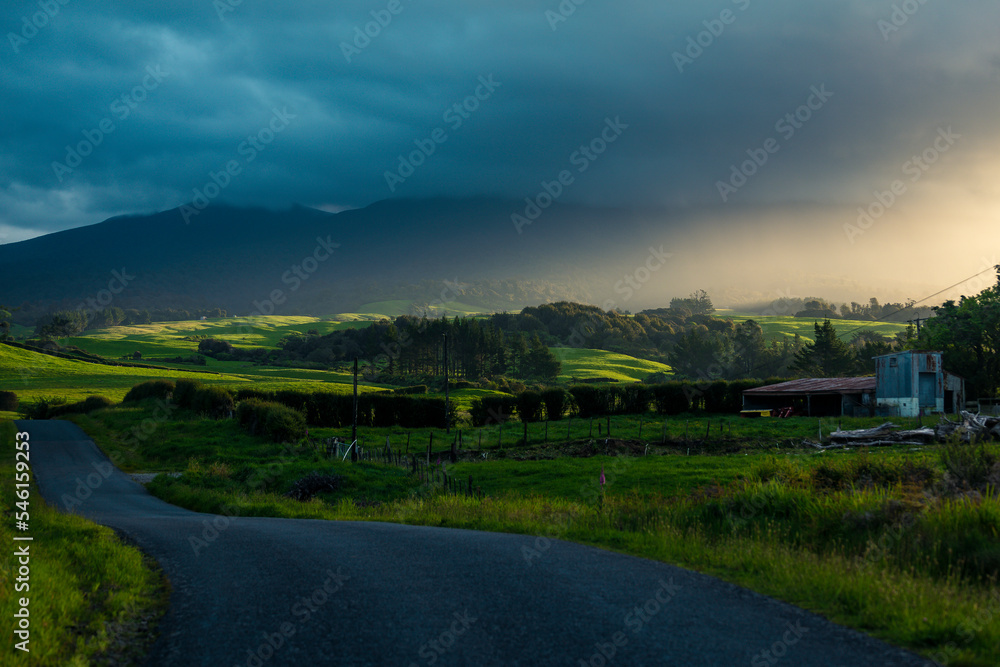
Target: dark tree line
{"type": "Point", "coordinates": [67, 323]}
{"type": "Point", "coordinates": [410, 346]}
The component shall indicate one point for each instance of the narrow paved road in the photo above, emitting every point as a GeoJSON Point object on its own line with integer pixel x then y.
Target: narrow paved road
{"type": "Point", "coordinates": [259, 591]}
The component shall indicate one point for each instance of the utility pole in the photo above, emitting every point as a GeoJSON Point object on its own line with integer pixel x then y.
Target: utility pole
{"type": "Point", "coordinates": [447, 424]}
{"type": "Point", "coordinates": [917, 321]}
{"type": "Point", "coordinates": [354, 421]}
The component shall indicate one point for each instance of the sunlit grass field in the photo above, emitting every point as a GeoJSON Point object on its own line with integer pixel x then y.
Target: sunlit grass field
{"type": "Point", "coordinates": [777, 327]}
{"type": "Point", "coordinates": [586, 364]}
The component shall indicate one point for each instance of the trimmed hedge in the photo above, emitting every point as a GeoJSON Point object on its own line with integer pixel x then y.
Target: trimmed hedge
{"type": "Point", "coordinates": [275, 421]}
{"type": "Point", "coordinates": [556, 401]}
{"type": "Point", "coordinates": [161, 389]}
{"type": "Point", "coordinates": [8, 401]}
{"type": "Point", "coordinates": [529, 406]}
{"type": "Point", "coordinates": [50, 409]}
{"type": "Point", "coordinates": [215, 402]}
{"type": "Point", "coordinates": [374, 409]}
{"type": "Point", "coordinates": [492, 409]}
{"type": "Point", "coordinates": [184, 391]}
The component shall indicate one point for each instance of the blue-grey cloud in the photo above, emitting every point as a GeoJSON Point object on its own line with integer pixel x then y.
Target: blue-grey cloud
{"type": "Point", "coordinates": [164, 97]}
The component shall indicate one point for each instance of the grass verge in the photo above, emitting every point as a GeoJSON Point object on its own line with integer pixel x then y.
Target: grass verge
{"type": "Point", "coordinates": [93, 600]}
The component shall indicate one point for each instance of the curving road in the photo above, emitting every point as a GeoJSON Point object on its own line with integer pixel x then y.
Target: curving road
{"type": "Point", "coordinates": [257, 591]}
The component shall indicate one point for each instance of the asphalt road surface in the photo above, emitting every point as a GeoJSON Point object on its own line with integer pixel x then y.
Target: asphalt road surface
{"type": "Point", "coordinates": [258, 591]}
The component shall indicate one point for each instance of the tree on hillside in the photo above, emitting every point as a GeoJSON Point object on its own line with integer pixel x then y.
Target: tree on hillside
{"type": "Point", "coordinates": [968, 333]}
{"type": "Point", "coordinates": [698, 303]}
{"type": "Point", "coordinates": [540, 363]}
{"type": "Point", "coordinates": [866, 345]}
{"type": "Point", "coordinates": [826, 356]}
{"type": "Point", "coordinates": [4, 323]}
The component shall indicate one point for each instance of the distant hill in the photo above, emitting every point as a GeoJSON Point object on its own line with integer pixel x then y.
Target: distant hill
{"type": "Point", "coordinates": [314, 262]}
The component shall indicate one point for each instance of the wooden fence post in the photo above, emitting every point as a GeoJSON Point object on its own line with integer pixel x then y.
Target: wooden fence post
{"type": "Point", "coordinates": [429, 443]}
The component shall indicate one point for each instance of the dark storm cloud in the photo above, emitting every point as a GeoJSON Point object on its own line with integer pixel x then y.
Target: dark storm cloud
{"type": "Point", "coordinates": [171, 94]}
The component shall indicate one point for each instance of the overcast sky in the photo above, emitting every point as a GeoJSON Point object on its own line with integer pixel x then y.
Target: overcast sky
{"type": "Point", "coordinates": [111, 108]}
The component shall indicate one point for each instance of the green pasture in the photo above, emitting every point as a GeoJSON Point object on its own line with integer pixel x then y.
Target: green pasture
{"type": "Point", "coordinates": [586, 364]}
{"type": "Point", "coordinates": [397, 307]}
{"type": "Point", "coordinates": [777, 327]}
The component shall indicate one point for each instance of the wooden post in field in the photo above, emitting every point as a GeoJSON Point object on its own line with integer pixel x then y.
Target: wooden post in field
{"type": "Point", "coordinates": [664, 438]}
{"type": "Point", "coordinates": [447, 421]}
{"type": "Point", "coordinates": [708, 428]}
{"type": "Point", "coordinates": [640, 429]}
{"type": "Point", "coordinates": [480, 438]}
{"type": "Point", "coordinates": [407, 442]}
{"type": "Point", "coordinates": [430, 442]}
{"type": "Point", "coordinates": [454, 450]}
{"type": "Point", "coordinates": [608, 421]}
{"type": "Point", "coordinates": [591, 434]}
{"type": "Point", "coordinates": [470, 486]}
{"type": "Point", "coordinates": [354, 420]}
{"type": "Point", "coordinates": [568, 425]}
{"type": "Point", "coordinates": [546, 431]}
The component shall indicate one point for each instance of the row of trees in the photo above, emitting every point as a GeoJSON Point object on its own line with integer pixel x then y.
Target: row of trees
{"type": "Point", "coordinates": [68, 323]}
{"type": "Point", "coordinates": [410, 346]}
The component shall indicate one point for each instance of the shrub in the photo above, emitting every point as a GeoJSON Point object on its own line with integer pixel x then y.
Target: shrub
{"type": "Point", "coordinates": [215, 346]}
{"type": "Point", "coordinates": [216, 402]}
{"type": "Point", "coordinates": [492, 409]}
{"type": "Point", "coordinates": [277, 422]}
{"type": "Point", "coordinates": [283, 424]}
{"type": "Point", "coordinates": [161, 389]}
{"type": "Point", "coordinates": [415, 389]}
{"type": "Point", "coordinates": [555, 401]}
{"type": "Point", "coordinates": [89, 404]}
{"type": "Point", "coordinates": [8, 401]}
{"type": "Point", "coordinates": [670, 398]}
{"type": "Point", "coordinates": [590, 400]}
{"type": "Point", "coordinates": [313, 483]}
{"type": "Point", "coordinates": [184, 391]}
{"type": "Point", "coordinates": [529, 406]}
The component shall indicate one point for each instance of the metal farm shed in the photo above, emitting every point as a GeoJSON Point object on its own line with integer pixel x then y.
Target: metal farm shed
{"type": "Point", "coordinates": [816, 397]}
{"type": "Point", "coordinates": [914, 382]}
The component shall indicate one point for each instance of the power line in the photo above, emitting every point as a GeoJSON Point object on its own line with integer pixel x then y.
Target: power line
{"type": "Point", "coordinates": [960, 282]}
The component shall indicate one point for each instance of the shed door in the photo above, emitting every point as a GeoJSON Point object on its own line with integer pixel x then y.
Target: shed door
{"type": "Point", "coordinates": [928, 390]}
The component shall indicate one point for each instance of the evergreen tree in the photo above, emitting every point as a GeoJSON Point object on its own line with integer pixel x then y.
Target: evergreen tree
{"type": "Point", "coordinates": [826, 356]}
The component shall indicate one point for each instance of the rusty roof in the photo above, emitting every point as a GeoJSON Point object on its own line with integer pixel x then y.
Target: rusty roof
{"type": "Point", "coordinates": [818, 386]}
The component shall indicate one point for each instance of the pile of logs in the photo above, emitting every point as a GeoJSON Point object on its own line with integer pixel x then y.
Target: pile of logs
{"type": "Point", "coordinates": [971, 426]}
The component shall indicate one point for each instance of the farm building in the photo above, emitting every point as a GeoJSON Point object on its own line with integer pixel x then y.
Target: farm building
{"type": "Point", "coordinates": [815, 397]}
{"type": "Point", "coordinates": [915, 382]}
{"type": "Point", "coordinates": [906, 384]}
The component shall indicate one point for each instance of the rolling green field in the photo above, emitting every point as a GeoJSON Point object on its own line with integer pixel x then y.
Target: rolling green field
{"type": "Point", "coordinates": [781, 326]}
{"type": "Point", "coordinates": [32, 375]}
{"type": "Point", "coordinates": [587, 364]}
{"type": "Point", "coordinates": [397, 307]}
